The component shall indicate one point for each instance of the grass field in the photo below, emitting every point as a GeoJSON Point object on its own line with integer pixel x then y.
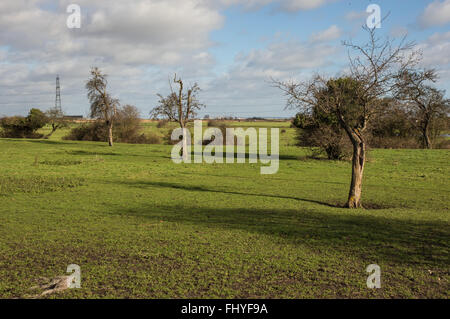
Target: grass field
{"type": "Point", "coordinates": [141, 226]}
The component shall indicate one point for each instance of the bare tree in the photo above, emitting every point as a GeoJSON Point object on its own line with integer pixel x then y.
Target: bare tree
{"type": "Point", "coordinates": [355, 98]}
{"type": "Point", "coordinates": [56, 119]}
{"type": "Point", "coordinates": [426, 103]}
{"type": "Point", "coordinates": [179, 106]}
{"type": "Point", "coordinates": [103, 106]}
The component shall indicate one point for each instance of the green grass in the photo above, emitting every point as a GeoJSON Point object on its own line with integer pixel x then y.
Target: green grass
{"type": "Point", "coordinates": [141, 226]}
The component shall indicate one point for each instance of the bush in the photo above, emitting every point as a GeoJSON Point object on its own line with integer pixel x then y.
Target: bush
{"type": "Point", "coordinates": [323, 134]}
{"type": "Point", "coordinates": [14, 126]}
{"type": "Point", "coordinates": [127, 125]}
{"type": "Point", "coordinates": [215, 123]}
{"type": "Point", "coordinates": [391, 127]}
{"type": "Point", "coordinates": [393, 142]}
{"type": "Point", "coordinates": [149, 138]}
{"type": "Point", "coordinates": [162, 123]}
{"type": "Point", "coordinates": [126, 129]}
{"type": "Point", "coordinates": [324, 139]}
{"type": "Point", "coordinates": [168, 139]}
{"type": "Point", "coordinates": [23, 127]}
{"type": "Point", "coordinates": [36, 119]}
{"type": "Point", "coordinates": [443, 144]}
{"type": "Point", "coordinates": [96, 131]}
{"type": "Point", "coordinates": [394, 127]}
{"type": "Point", "coordinates": [300, 120]}
{"type": "Point", "coordinates": [392, 122]}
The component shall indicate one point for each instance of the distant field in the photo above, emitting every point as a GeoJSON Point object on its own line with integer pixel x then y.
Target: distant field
{"type": "Point", "coordinates": [148, 126]}
{"type": "Point", "coordinates": [141, 226]}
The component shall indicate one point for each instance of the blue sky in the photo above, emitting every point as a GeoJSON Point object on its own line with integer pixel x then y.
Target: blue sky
{"type": "Point", "coordinates": [245, 30]}
{"type": "Point", "coordinates": [231, 48]}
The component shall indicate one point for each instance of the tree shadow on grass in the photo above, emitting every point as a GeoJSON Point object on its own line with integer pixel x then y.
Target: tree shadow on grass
{"type": "Point", "coordinates": [73, 143]}
{"type": "Point", "coordinates": [335, 204]}
{"type": "Point", "coordinates": [37, 141]}
{"type": "Point", "coordinates": [281, 157]}
{"type": "Point", "coordinates": [142, 184]}
{"type": "Point", "coordinates": [246, 177]}
{"type": "Point", "coordinates": [372, 239]}
{"type": "Point", "coordinates": [83, 152]}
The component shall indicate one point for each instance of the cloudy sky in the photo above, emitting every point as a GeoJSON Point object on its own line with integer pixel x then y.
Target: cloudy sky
{"type": "Point", "coordinates": [230, 47]}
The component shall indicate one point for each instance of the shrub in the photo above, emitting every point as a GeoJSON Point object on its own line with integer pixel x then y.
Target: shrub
{"type": "Point", "coordinates": [162, 123]}
{"type": "Point", "coordinates": [168, 138]}
{"type": "Point", "coordinates": [391, 127]}
{"type": "Point", "coordinates": [126, 129]}
{"type": "Point", "coordinates": [127, 125]}
{"type": "Point", "coordinates": [324, 139]}
{"type": "Point", "coordinates": [215, 123]}
{"type": "Point", "coordinates": [443, 144]}
{"type": "Point", "coordinates": [96, 131]}
{"type": "Point", "coordinates": [395, 126]}
{"type": "Point", "coordinates": [149, 138]}
{"type": "Point", "coordinates": [300, 120]}
{"type": "Point", "coordinates": [23, 127]}
{"type": "Point", "coordinates": [14, 126]}
{"type": "Point", "coordinates": [36, 119]}
{"type": "Point", "coordinates": [392, 121]}
{"type": "Point", "coordinates": [393, 142]}
{"type": "Point", "coordinates": [323, 134]}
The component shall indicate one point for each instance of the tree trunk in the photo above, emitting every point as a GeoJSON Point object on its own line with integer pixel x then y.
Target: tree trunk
{"type": "Point", "coordinates": [184, 150]}
{"type": "Point", "coordinates": [51, 133]}
{"type": "Point", "coordinates": [358, 161]}
{"type": "Point", "coordinates": [426, 138]}
{"type": "Point", "coordinates": [110, 134]}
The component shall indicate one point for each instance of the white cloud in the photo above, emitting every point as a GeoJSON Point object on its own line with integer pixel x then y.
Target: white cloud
{"type": "Point", "coordinates": [129, 40]}
{"type": "Point", "coordinates": [332, 33]}
{"type": "Point", "coordinates": [436, 54]}
{"type": "Point", "coordinates": [296, 5]}
{"type": "Point", "coordinates": [139, 43]}
{"type": "Point", "coordinates": [398, 32]}
{"type": "Point", "coordinates": [282, 5]}
{"type": "Point", "coordinates": [247, 84]}
{"type": "Point", "coordinates": [247, 4]}
{"type": "Point", "coordinates": [136, 31]}
{"type": "Point", "coordinates": [436, 13]}
{"type": "Point", "coordinates": [286, 56]}
{"type": "Point", "coordinates": [356, 16]}
{"type": "Point", "coordinates": [436, 50]}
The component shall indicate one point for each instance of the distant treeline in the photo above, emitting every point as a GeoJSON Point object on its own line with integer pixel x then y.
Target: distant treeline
{"type": "Point", "coordinates": [393, 127]}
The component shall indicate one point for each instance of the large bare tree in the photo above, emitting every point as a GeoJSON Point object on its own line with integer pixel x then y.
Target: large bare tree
{"type": "Point", "coordinates": [355, 97]}
{"type": "Point", "coordinates": [103, 106]}
{"type": "Point", "coordinates": [425, 103]}
{"type": "Point", "coordinates": [179, 106]}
